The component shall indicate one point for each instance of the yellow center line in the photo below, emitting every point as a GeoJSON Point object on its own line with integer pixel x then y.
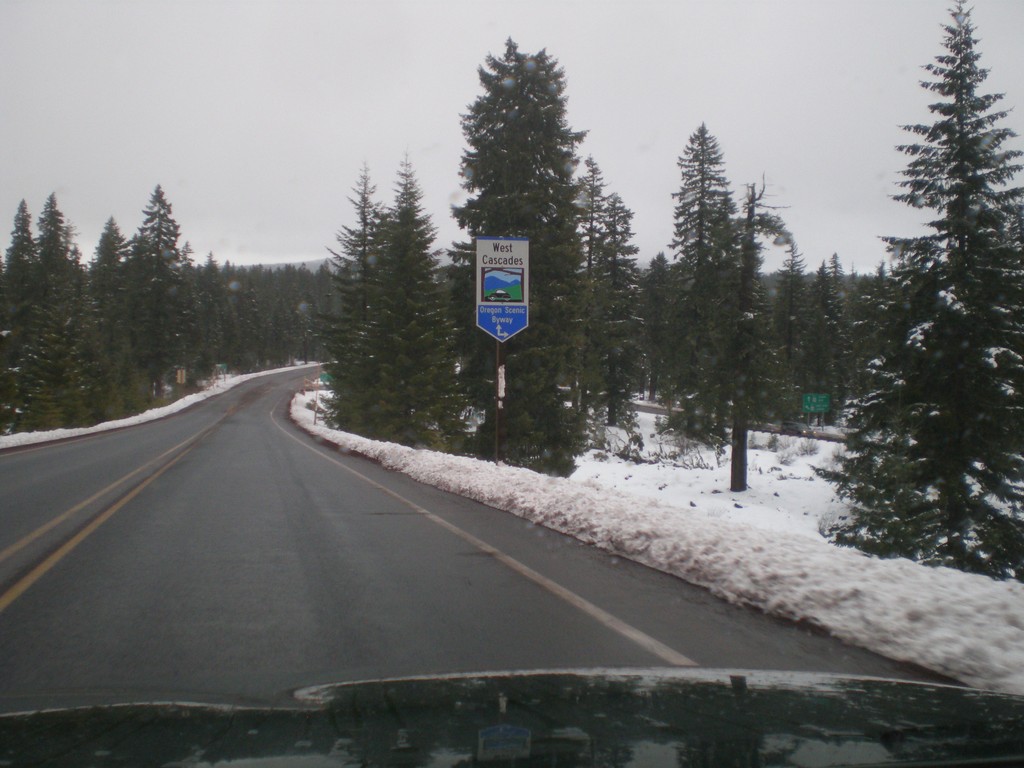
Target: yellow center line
{"type": "Point", "coordinates": [67, 547]}
{"type": "Point", "coordinates": [617, 625]}
{"type": "Point", "coordinates": [41, 530]}
{"type": "Point", "coordinates": [40, 570]}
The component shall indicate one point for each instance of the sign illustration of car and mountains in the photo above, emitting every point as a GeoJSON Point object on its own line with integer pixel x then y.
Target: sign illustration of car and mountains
{"type": "Point", "coordinates": [502, 284]}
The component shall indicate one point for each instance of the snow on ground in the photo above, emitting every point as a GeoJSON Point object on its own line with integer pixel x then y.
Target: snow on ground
{"type": "Point", "coordinates": [219, 385]}
{"type": "Point", "coordinates": [759, 548]}
{"type": "Point", "coordinates": [784, 495]}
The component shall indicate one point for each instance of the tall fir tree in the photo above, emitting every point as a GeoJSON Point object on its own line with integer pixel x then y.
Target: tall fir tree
{"type": "Point", "coordinates": [346, 325]}
{"type": "Point", "coordinates": [412, 390]}
{"type": "Point", "coordinates": [519, 171]}
{"type": "Point", "coordinates": [706, 277]}
{"type": "Point", "coordinates": [107, 282]}
{"type": "Point", "coordinates": [155, 300]}
{"type": "Point", "coordinates": [108, 290]}
{"type": "Point", "coordinates": [9, 398]}
{"type": "Point", "coordinates": [611, 356]}
{"type": "Point", "coordinates": [358, 248]}
{"type": "Point", "coordinates": [867, 295]}
{"type": "Point", "coordinates": [8, 383]}
{"type": "Point", "coordinates": [790, 320]}
{"type": "Point", "coordinates": [56, 380]}
{"type": "Point", "coordinates": [53, 375]}
{"type": "Point", "coordinates": [58, 267]}
{"type": "Point", "coordinates": [619, 328]}
{"type": "Point", "coordinates": [934, 468]}
{"type": "Point", "coordinates": [190, 355]}
{"type": "Point", "coordinates": [592, 202]}
{"type": "Point", "coordinates": [656, 308]}
{"type": "Point", "coordinates": [826, 367]}
{"type": "Point", "coordinates": [753, 377]}
{"type": "Point", "coordinates": [20, 270]}
{"type": "Point", "coordinates": [243, 323]}
{"type": "Point", "coordinates": [211, 310]}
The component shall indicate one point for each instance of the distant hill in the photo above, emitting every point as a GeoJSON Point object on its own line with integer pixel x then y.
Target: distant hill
{"type": "Point", "coordinates": [312, 266]}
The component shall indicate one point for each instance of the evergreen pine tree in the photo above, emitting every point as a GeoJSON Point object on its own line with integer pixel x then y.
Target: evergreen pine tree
{"type": "Point", "coordinates": [519, 171]}
{"type": "Point", "coordinates": [358, 248]}
{"type": "Point", "coordinates": [107, 286]}
{"type": "Point", "coordinates": [60, 384]}
{"type": "Point", "coordinates": [8, 387]}
{"type": "Point", "coordinates": [49, 372]}
{"type": "Point", "coordinates": [246, 321]}
{"type": "Point", "coordinates": [790, 321]}
{"type": "Point", "coordinates": [230, 327]}
{"type": "Point", "coordinates": [321, 304]}
{"type": "Point", "coordinates": [593, 220]}
{"type": "Point", "coordinates": [190, 354]}
{"type": "Point", "coordinates": [753, 380]}
{"type": "Point", "coordinates": [706, 276]}
{"type": "Point", "coordinates": [346, 326]}
{"type": "Point", "coordinates": [827, 357]}
{"type": "Point", "coordinates": [616, 297]}
{"type": "Point", "coordinates": [156, 306]}
{"type": "Point", "coordinates": [8, 384]}
{"type": "Point", "coordinates": [593, 202]}
{"type": "Point", "coordinates": [102, 392]}
{"type": "Point", "coordinates": [211, 300]}
{"type": "Point", "coordinates": [867, 295]}
{"type": "Point", "coordinates": [58, 270]}
{"type": "Point", "coordinates": [107, 283]}
{"type": "Point", "coordinates": [934, 469]}
{"type": "Point", "coordinates": [19, 278]}
{"type": "Point", "coordinates": [4, 322]}
{"type": "Point", "coordinates": [656, 303]}
{"type": "Point", "coordinates": [412, 394]}
{"type": "Point", "coordinates": [611, 355]}
{"type": "Point", "coordinates": [56, 381]}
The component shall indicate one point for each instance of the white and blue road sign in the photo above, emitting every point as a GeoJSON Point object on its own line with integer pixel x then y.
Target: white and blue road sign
{"type": "Point", "coordinates": [502, 285]}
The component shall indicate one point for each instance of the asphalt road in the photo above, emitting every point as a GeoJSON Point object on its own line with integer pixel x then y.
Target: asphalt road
{"type": "Point", "coordinates": [221, 555]}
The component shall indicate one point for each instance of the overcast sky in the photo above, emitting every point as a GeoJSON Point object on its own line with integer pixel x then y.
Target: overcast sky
{"type": "Point", "coordinates": [256, 116]}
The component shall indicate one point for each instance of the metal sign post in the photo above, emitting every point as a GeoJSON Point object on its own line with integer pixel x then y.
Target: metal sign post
{"type": "Point", "coordinates": [502, 309]}
{"type": "Point", "coordinates": [500, 428]}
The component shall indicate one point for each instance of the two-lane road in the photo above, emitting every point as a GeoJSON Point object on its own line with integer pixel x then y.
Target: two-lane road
{"type": "Point", "coordinates": [223, 555]}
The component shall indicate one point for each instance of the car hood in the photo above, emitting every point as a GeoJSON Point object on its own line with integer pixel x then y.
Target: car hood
{"type": "Point", "coordinates": [579, 717]}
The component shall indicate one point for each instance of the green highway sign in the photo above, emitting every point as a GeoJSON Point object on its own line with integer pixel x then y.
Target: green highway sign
{"type": "Point", "coordinates": [817, 403]}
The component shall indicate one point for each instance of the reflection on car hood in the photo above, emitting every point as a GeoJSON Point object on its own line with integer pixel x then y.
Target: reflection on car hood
{"type": "Point", "coordinates": [577, 718]}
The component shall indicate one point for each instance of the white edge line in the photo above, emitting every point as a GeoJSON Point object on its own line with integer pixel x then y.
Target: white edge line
{"type": "Point", "coordinates": [638, 637]}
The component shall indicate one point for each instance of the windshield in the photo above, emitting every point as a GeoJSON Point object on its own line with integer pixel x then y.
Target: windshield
{"type": "Point", "coordinates": [366, 341]}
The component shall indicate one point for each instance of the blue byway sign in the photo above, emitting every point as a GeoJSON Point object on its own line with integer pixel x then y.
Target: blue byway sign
{"type": "Point", "coordinates": [502, 285]}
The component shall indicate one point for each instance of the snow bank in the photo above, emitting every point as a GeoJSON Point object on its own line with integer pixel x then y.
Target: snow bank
{"type": "Point", "coordinates": [218, 386]}
{"type": "Point", "coordinates": [966, 626]}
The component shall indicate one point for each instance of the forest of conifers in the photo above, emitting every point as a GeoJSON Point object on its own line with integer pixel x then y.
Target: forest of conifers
{"type": "Point", "coordinates": [91, 340]}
